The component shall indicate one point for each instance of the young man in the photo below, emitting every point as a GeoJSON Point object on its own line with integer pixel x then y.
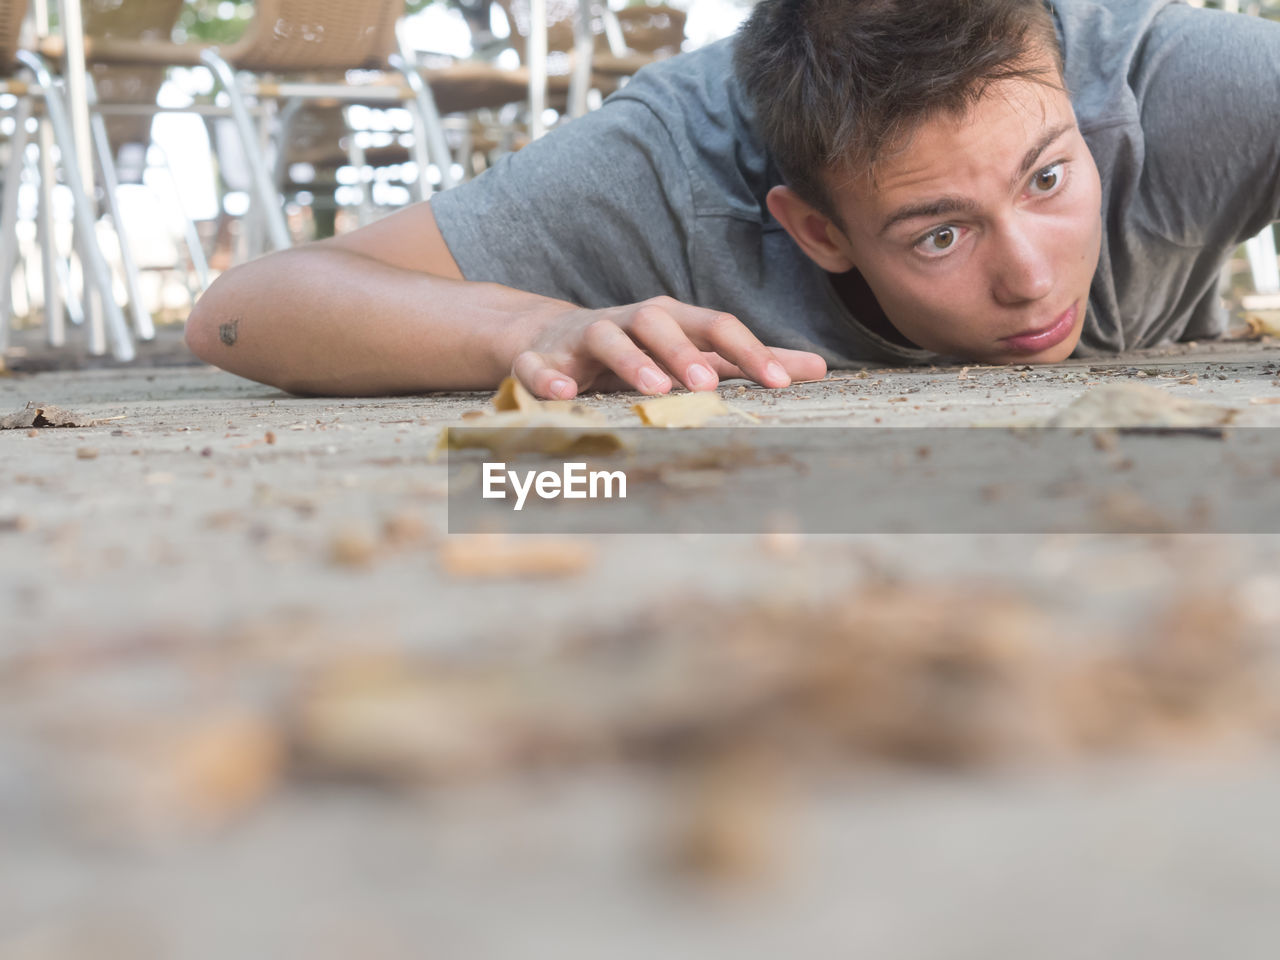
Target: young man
{"type": "Point", "coordinates": [846, 180]}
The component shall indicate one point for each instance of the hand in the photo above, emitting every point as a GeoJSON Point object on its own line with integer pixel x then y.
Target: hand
{"type": "Point", "coordinates": [652, 346]}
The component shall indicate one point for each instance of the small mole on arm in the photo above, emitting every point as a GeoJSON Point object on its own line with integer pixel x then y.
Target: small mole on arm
{"type": "Point", "coordinates": [227, 332]}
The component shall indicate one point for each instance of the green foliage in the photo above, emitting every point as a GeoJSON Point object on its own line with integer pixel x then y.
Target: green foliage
{"type": "Point", "coordinates": [211, 21]}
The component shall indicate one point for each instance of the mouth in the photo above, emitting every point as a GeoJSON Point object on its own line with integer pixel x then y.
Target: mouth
{"type": "Point", "coordinates": [1033, 341]}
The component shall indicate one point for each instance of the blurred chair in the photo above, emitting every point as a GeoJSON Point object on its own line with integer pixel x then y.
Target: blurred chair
{"type": "Point", "coordinates": [647, 33]}
{"type": "Point", "coordinates": [1261, 250]}
{"type": "Point", "coordinates": [1263, 262]}
{"type": "Point", "coordinates": [297, 50]}
{"type": "Point", "coordinates": [26, 75]}
{"type": "Point", "coordinates": [152, 21]}
{"type": "Point", "coordinates": [555, 42]}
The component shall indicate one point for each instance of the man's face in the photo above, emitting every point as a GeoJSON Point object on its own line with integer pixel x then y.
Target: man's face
{"type": "Point", "coordinates": [981, 238]}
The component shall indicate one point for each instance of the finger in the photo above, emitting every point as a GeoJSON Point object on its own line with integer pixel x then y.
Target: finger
{"type": "Point", "coordinates": [658, 331]}
{"type": "Point", "coordinates": [723, 368]}
{"type": "Point", "coordinates": [728, 336]}
{"type": "Point", "coordinates": [541, 378]}
{"type": "Point", "coordinates": [610, 345]}
{"type": "Point", "coordinates": [801, 364]}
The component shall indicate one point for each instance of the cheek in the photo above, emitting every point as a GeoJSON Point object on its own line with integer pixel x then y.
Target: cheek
{"type": "Point", "coordinates": [1090, 219]}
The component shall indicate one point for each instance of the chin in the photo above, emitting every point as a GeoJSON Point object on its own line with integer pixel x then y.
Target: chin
{"type": "Point", "coordinates": [1055, 354]}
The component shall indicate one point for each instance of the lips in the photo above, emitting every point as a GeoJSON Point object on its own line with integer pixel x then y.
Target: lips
{"type": "Point", "coordinates": [1033, 341]}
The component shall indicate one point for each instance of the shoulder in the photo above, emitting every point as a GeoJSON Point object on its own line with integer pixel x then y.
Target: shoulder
{"type": "Point", "coordinates": [1102, 43]}
{"type": "Point", "coordinates": [695, 96]}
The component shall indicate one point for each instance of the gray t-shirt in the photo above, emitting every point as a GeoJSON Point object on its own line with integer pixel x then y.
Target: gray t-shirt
{"type": "Point", "coordinates": [662, 190]}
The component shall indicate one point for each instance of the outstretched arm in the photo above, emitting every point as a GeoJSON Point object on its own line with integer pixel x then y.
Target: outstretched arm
{"type": "Point", "coordinates": [385, 310]}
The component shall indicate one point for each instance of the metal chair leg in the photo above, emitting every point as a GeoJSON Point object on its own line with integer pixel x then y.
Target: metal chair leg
{"type": "Point", "coordinates": [121, 343]}
{"type": "Point", "coordinates": [55, 324]}
{"type": "Point", "coordinates": [357, 159]}
{"type": "Point", "coordinates": [536, 58]}
{"type": "Point", "coordinates": [9, 216]}
{"type": "Point", "coordinates": [143, 325]}
{"type": "Point", "coordinates": [268, 199]}
{"type": "Point", "coordinates": [199, 262]}
{"type": "Point", "coordinates": [583, 49]}
{"type": "Point", "coordinates": [428, 140]}
{"type": "Point", "coordinates": [75, 310]}
{"type": "Point", "coordinates": [284, 124]}
{"type": "Point", "coordinates": [1262, 261]}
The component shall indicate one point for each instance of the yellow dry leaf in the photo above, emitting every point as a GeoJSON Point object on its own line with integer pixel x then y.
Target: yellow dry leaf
{"type": "Point", "coordinates": [512, 432]}
{"type": "Point", "coordinates": [227, 764]}
{"type": "Point", "coordinates": [512, 395]}
{"type": "Point", "coordinates": [386, 719]}
{"type": "Point", "coordinates": [681, 409]}
{"type": "Point", "coordinates": [729, 825]}
{"type": "Point", "coordinates": [499, 556]}
{"type": "Point", "coordinates": [521, 423]}
{"type": "Point", "coordinates": [1138, 405]}
{"type": "Point", "coordinates": [1263, 323]}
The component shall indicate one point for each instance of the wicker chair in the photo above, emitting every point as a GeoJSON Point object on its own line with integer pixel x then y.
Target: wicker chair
{"type": "Point", "coordinates": [11, 17]}
{"type": "Point", "coordinates": [299, 50]}
{"type": "Point", "coordinates": [648, 33]}
{"type": "Point", "coordinates": [149, 22]}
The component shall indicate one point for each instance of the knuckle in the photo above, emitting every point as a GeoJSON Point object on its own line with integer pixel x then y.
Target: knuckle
{"type": "Point", "coordinates": [645, 321]}
{"type": "Point", "coordinates": [662, 300]}
{"type": "Point", "coordinates": [647, 317]}
{"type": "Point", "coordinates": [723, 323]}
{"type": "Point", "coordinates": [599, 331]}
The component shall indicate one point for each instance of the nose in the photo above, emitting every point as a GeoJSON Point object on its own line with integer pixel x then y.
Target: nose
{"type": "Point", "coordinates": [1023, 266]}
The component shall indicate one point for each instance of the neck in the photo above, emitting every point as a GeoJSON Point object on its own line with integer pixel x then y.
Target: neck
{"type": "Point", "coordinates": [861, 302]}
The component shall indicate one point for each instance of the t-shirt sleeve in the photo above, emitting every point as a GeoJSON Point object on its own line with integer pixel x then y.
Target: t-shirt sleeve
{"type": "Point", "coordinates": [598, 212]}
{"type": "Point", "coordinates": [1209, 87]}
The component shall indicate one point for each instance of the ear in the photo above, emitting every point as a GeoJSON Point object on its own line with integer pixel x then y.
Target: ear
{"type": "Point", "coordinates": [817, 236]}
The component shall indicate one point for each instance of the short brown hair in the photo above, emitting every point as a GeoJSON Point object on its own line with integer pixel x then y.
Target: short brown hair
{"type": "Point", "coordinates": [835, 83]}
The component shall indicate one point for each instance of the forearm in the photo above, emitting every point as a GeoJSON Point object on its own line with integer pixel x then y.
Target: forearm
{"type": "Point", "coordinates": [323, 320]}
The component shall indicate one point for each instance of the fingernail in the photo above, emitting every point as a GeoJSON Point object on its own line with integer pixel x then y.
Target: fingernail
{"type": "Point", "coordinates": [561, 388]}
{"type": "Point", "coordinates": [652, 379]}
{"type": "Point", "coordinates": [700, 376]}
{"type": "Point", "coordinates": [775, 372]}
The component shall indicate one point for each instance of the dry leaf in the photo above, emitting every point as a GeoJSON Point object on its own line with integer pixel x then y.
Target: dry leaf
{"type": "Point", "coordinates": [225, 764]}
{"type": "Point", "coordinates": [729, 817]}
{"type": "Point", "coordinates": [404, 528]}
{"type": "Point", "coordinates": [41, 415]}
{"type": "Point", "coordinates": [1138, 405]}
{"type": "Point", "coordinates": [1124, 511]}
{"type": "Point", "coordinates": [390, 720]}
{"type": "Point", "coordinates": [704, 479]}
{"type": "Point", "coordinates": [353, 546]}
{"type": "Point", "coordinates": [1263, 323]}
{"type": "Point", "coordinates": [18, 523]}
{"type": "Point", "coordinates": [681, 409]}
{"type": "Point", "coordinates": [150, 775]}
{"type": "Point", "coordinates": [514, 432]}
{"type": "Point", "coordinates": [512, 395]}
{"type": "Point", "coordinates": [499, 556]}
{"type": "Point", "coordinates": [523, 424]}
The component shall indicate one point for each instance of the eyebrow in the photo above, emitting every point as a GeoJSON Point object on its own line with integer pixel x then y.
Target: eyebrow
{"type": "Point", "coordinates": [939, 206]}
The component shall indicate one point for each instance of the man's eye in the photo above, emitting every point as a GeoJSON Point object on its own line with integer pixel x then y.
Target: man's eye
{"type": "Point", "coordinates": [939, 241]}
{"type": "Point", "coordinates": [1047, 179]}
